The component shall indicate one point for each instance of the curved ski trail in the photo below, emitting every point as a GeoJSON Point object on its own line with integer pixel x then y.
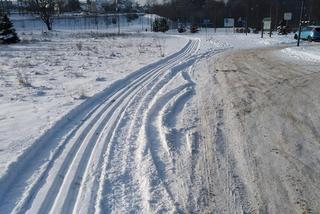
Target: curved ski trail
{"type": "Point", "coordinates": [69, 168]}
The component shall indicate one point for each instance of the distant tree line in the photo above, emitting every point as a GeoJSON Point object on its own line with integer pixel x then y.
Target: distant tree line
{"type": "Point", "coordinates": [195, 11]}
{"type": "Point", "coordinates": [184, 11]}
{"type": "Point", "coordinates": [46, 9]}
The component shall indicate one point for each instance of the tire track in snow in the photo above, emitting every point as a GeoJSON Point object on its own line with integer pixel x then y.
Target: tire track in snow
{"type": "Point", "coordinates": [66, 202]}
{"type": "Point", "coordinates": [82, 134]}
{"type": "Point", "coordinates": [162, 133]}
{"type": "Point", "coordinates": [145, 100]}
{"type": "Point", "coordinates": [89, 128]}
{"type": "Point", "coordinates": [108, 197]}
{"type": "Point", "coordinates": [162, 165]}
{"type": "Point", "coordinates": [117, 124]}
{"type": "Point", "coordinates": [67, 206]}
{"type": "Point", "coordinates": [145, 171]}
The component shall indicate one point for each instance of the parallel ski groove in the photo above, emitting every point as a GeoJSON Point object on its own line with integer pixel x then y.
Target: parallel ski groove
{"type": "Point", "coordinates": [151, 92]}
{"type": "Point", "coordinates": [85, 133]}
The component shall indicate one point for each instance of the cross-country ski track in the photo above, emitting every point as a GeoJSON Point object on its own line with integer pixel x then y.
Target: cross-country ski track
{"type": "Point", "coordinates": [220, 126]}
{"type": "Point", "coordinates": [112, 147]}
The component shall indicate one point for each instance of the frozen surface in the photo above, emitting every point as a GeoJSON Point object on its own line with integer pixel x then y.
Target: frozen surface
{"type": "Point", "coordinates": [46, 75]}
{"type": "Point", "coordinates": [92, 122]}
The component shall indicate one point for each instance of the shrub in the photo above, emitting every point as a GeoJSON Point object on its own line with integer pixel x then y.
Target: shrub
{"type": "Point", "coordinates": [23, 80]}
{"type": "Point", "coordinates": [160, 25]}
{"type": "Point", "coordinates": [8, 34]}
{"type": "Point", "coordinates": [194, 28]}
{"type": "Point", "coordinates": [79, 46]}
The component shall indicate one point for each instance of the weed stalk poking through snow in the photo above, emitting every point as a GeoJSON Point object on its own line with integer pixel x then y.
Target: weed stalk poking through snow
{"type": "Point", "coordinates": [23, 80]}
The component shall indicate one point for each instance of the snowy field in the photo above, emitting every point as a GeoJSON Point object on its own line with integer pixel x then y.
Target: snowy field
{"type": "Point", "coordinates": [46, 75]}
{"type": "Point", "coordinates": [96, 122]}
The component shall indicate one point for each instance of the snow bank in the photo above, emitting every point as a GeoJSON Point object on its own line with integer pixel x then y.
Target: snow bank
{"type": "Point", "coordinates": [306, 53]}
{"type": "Point", "coordinates": [226, 38]}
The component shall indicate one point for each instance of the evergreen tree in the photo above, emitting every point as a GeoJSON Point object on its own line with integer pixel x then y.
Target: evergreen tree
{"type": "Point", "coordinates": [160, 25]}
{"type": "Point", "coordinates": [7, 32]}
{"type": "Point", "coordinates": [164, 26]}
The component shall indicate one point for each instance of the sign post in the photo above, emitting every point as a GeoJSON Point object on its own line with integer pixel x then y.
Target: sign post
{"type": "Point", "coordinates": [287, 17]}
{"type": "Point", "coordinates": [118, 16]}
{"type": "Point", "coordinates": [206, 22]}
{"type": "Point", "coordinates": [266, 25]}
{"type": "Point", "coordinates": [228, 22]}
{"type": "Point", "coordinates": [300, 22]}
{"type": "Point", "coordinates": [262, 31]}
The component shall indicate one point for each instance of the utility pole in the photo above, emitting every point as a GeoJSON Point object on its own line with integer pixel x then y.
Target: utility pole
{"type": "Point", "coordinates": [270, 32]}
{"type": "Point", "coordinates": [142, 22]}
{"type": "Point", "coordinates": [247, 14]}
{"type": "Point", "coordinates": [118, 15]}
{"type": "Point", "coordinates": [277, 14]}
{"type": "Point", "coordinates": [262, 29]}
{"type": "Point", "coordinates": [206, 32]}
{"type": "Point", "coordinates": [215, 18]}
{"type": "Point", "coordinates": [300, 22]}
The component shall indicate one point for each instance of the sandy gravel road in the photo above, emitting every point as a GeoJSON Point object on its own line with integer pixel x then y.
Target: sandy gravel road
{"type": "Point", "coordinates": [259, 122]}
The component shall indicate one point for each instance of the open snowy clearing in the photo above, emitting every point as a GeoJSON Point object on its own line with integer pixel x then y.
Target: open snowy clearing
{"type": "Point", "coordinates": [88, 128]}
{"type": "Point", "coordinates": [47, 75]}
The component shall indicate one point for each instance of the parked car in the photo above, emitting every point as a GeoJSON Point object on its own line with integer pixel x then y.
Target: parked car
{"type": "Point", "coordinates": [283, 30]}
{"type": "Point", "coordinates": [242, 30]}
{"type": "Point", "coordinates": [181, 28]}
{"type": "Point", "coordinates": [310, 33]}
{"type": "Point", "coordinates": [194, 28]}
{"type": "Point", "coordinates": [254, 30]}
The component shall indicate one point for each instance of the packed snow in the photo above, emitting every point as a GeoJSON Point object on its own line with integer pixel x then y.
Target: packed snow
{"type": "Point", "coordinates": [48, 74]}
{"type": "Point", "coordinates": [309, 53]}
{"type": "Point", "coordinates": [95, 122]}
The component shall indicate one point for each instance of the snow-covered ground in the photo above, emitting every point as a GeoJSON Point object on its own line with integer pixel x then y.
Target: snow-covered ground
{"type": "Point", "coordinates": [309, 52]}
{"type": "Point", "coordinates": [47, 75]}
{"type": "Point", "coordinates": [225, 38]}
{"type": "Point", "coordinates": [95, 122]}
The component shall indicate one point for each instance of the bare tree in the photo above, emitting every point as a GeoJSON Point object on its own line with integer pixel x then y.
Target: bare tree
{"type": "Point", "coordinates": [4, 6]}
{"type": "Point", "coordinates": [44, 8]}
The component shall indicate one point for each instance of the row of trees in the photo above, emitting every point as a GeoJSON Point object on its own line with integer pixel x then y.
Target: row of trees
{"type": "Point", "coordinates": [24, 6]}
{"type": "Point", "coordinates": [46, 9]}
{"type": "Point", "coordinates": [194, 11]}
{"type": "Point", "coordinates": [62, 6]}
{"type": "Point", "coordinates": [252, 10]}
